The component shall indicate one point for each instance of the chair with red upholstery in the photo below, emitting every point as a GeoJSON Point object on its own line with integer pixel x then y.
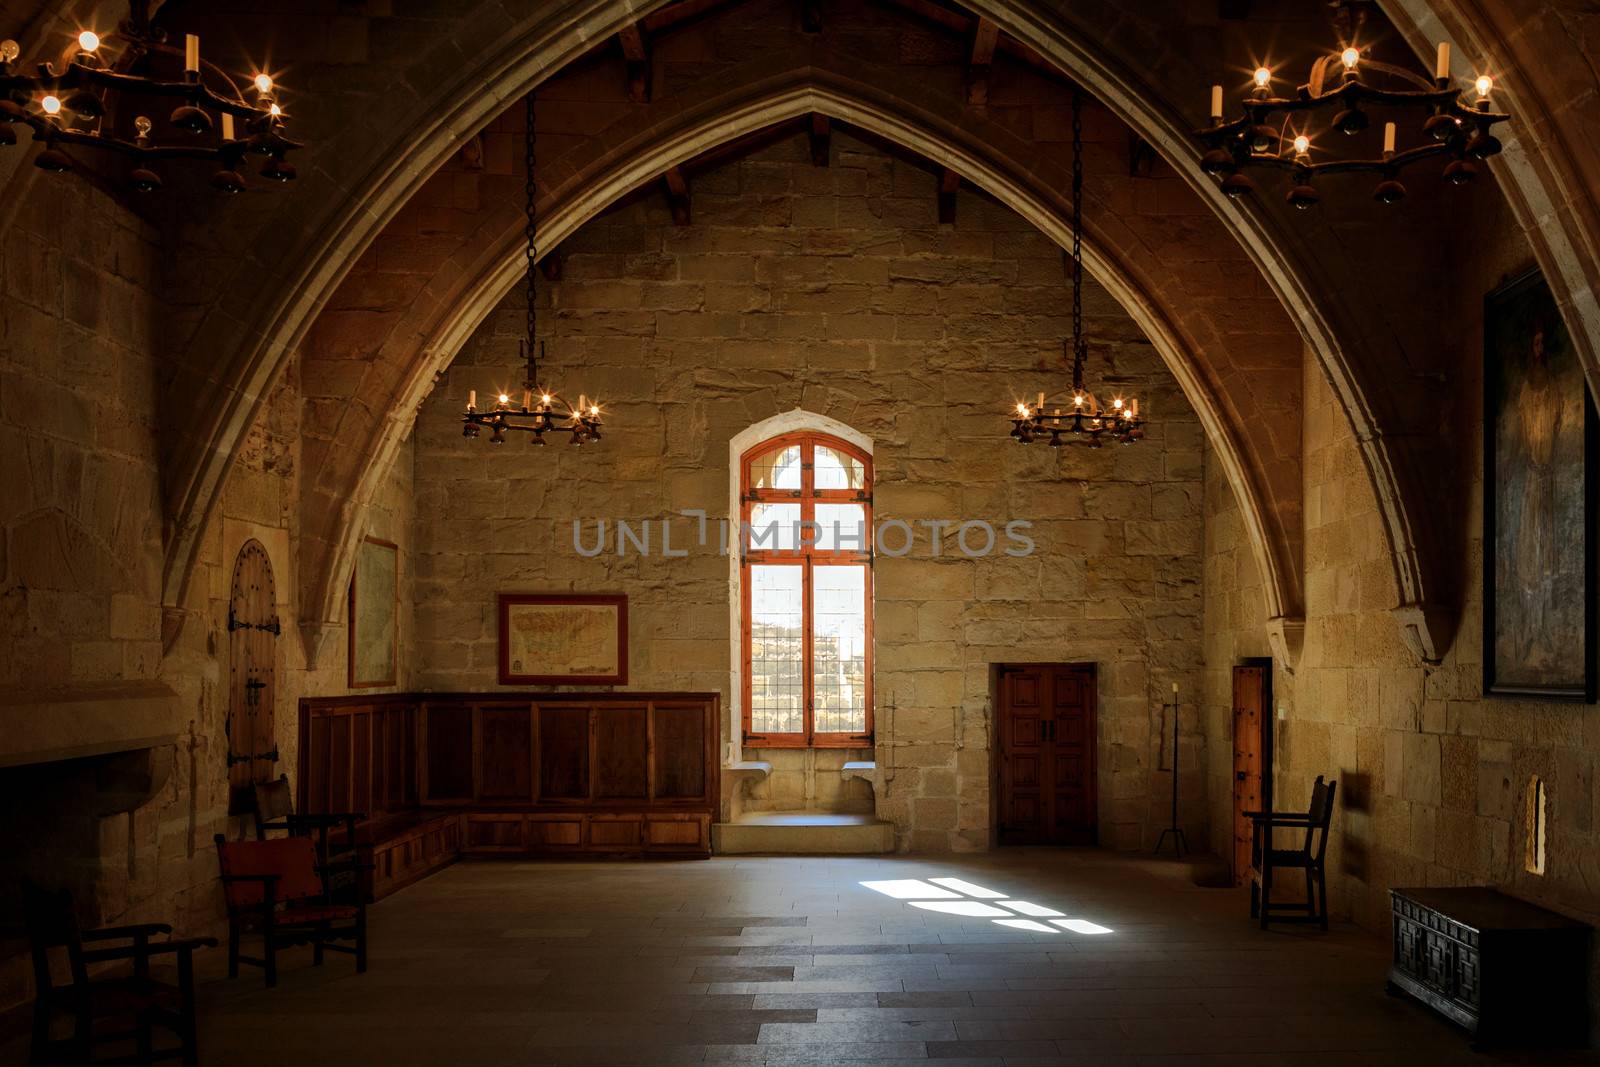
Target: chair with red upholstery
{"type": "Point", "coordinates": [110, 1009]}
{"type": "Point", "coordinates": [278, 889]}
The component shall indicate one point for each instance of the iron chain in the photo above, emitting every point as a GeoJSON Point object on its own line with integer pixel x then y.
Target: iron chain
{"type": "Point", "coordinates": [530, 159]}
{"type": "Point", "coordinates": [1080, 344]}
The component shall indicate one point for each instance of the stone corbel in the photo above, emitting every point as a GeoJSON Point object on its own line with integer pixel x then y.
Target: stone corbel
{"type": "Point", "coordinates": [1427, 630]}
{"type": "Point", "coordinates": [1287, 636]}
{"type": "Point", "coordinates": [318, 638]}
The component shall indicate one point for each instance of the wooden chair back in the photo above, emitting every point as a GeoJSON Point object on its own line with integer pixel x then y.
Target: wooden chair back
{"type": "Point", "coordinates": [52, 922]}
{"type": "Point", "coordinates": [293, 860]}
{"type": "Point", "coordinates": [1319, 818]}
{"type": "Point", "coordinates": [274, 803]}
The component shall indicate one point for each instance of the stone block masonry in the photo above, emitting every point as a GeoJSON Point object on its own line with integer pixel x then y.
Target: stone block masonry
{"type": "Point", "coordinates": [836, 290]}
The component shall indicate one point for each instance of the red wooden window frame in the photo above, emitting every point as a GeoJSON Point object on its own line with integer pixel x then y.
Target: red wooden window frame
{"type": "Point", "coordinates": [806, 556]}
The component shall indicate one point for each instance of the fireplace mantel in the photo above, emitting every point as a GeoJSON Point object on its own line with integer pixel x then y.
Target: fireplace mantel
{"type": "Point", "coordinates": [90, 720]}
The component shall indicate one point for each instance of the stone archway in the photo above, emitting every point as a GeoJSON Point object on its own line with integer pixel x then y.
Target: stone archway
{"type": "Point", "coordinates": [256, 327]}
{"type": "Point", "coordinates": [463, 290]}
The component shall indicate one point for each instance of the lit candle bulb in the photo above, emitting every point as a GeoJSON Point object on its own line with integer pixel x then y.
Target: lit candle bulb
{"type": "Point", "coordinates": [1022, 409]}
{"type": "Point", "coordinates": [88, 41]}
{"type": "Point", "coordinates": [1388, 138]}
{"type": "Point", "coordinates": [51, 105]}
{"type": "Point", "coordinates": [1263, 76]}
{"type": "Point", "coordinates": [263, 84]}
{"type": "Point", "coordinates": [1441, 68]}
{"type": "Point", "coordinates": [1216, 102]}
{"type": "Point", "coordinates": [191, 53]}
{"type": "Point", "coordinates": [1302, 145]}
{"type": "Point", "coordinates": [1350, 57]}
{"type": "Point", "coordinates": [1484, 85]}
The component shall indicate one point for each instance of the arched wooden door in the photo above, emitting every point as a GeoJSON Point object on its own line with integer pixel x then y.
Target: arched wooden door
{"type": "Point", "coordinates": [253, 631]}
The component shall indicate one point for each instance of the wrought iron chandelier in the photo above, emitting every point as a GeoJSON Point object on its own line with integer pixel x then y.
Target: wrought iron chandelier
{"type": "Point", "coordinates": [538, 413]}
{"type": "Point", "coordinates": [100, 102]}
{"type": "Point", "coordinates": [1448, 128]}
{"type": "Point", "coordinates": [1083, 416]}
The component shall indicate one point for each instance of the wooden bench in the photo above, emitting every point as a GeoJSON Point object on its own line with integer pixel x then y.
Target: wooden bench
{"type": "Point", "coordinates": [494, 774]}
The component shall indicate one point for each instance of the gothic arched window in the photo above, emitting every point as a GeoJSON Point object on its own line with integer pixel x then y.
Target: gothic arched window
{"type": "Point", "coordinates": [806, 578]}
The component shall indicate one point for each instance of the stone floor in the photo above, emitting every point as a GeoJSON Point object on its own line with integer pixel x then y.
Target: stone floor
{"type": "Point", "coordinates": [795, 961]}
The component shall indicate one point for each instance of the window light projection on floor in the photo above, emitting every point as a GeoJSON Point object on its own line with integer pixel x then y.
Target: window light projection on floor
{"type": "Point", "coordinates": [954, 896]}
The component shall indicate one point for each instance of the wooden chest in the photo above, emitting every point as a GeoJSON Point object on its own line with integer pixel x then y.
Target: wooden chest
{"type": "Point", "coordinates": [1507, 971]}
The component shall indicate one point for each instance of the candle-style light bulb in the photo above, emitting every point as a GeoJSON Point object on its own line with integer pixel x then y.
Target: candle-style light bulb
{"type": "Point", "coordinates": [51, 105]}
{"type": "Point", "coordinates": [505, 398]}
{"type": "Point", "coordinates": [1350, 57]}
{"type": "Point", "coordinates": [263, 84]}
{"type": "Point", "coordinates": [275, 111]}
{"type": "Point", "coordinates": [1302, 145]}
{"type": "Point", "coordinates": [88, 41]}
{"type": "Point", "coordinates": [1484, 85]}
{"type": "Point", "coordinates": [1022, 409]}
{"type": "Point", "coordinates": [1263, 77]}
{"type": "Point", "coordinates": [9, 51]}
{"type": "Point", "coordinates": [546, 399]}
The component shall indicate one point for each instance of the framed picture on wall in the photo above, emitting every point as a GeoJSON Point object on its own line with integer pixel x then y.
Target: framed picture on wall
{"type": "Point", "coordinates": [374, 614]}
{"type": "Point", "coordinates": [563, 639]}
{"type": "Point", "coordinates": [1540, 433]}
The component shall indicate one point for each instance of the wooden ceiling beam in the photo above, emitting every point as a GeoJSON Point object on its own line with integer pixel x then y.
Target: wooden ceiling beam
{"type": "Point", "coordinates": [984, 38]}
{"type": "Point", "coordinates": [636, 51]}
{"type": "Point", "coordinates": [949, 183]}
{"type": "Point", "coordinates": [811, 16]}
{"type": "Point", "coordinates": [678, 195]}
{"type": "Point", "coordinates": [821, 135]}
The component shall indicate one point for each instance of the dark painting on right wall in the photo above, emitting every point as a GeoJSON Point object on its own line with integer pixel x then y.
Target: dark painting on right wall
{"type": "Point", "coordinates": [1539, 500]}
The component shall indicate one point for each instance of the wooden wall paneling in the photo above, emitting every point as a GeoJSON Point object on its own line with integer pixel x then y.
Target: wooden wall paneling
{"type": "Point", "coordinates": [448, 743]}
{"type": "Point", "coordinates": [361, 761]}
{"type": "Point", "coordinates": [505, 742]}
{"type": "Point", "coordinates": [616, 832]}
{"type": "Point", "coordinates": [621, 753]}
{"type": "Point", "coordinates": [495, 832]}
{"type": "Point", "coordinates": [564, 752]}
{"type": "Point", "coordinates": [678, 763]}
{"type": "Point", "coordinates": [555, 832]}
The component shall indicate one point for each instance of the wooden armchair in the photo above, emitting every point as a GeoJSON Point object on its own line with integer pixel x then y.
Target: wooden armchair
{"type": "Point", "coordinates": [106, 1010]}
{"type": "Point", "coordinates": [1309, 857]}
{"type": "Point", "coordinates": [277, 888]}
{"type": "Point", "coordinates": [334, 832]}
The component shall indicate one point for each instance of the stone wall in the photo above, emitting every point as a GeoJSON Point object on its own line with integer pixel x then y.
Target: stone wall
{"type": "Point", "coordinates": [1433, 776]}
{"type": "Point", "coordinates": [834, 289]}
{"type": "Point", "coordinates": [81, 371]}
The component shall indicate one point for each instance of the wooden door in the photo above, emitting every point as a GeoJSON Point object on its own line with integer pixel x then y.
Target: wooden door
{"type": "Point", "coordinates": [253, 630]}
{"type": "Point", "coordinates": [1046, 789]}
{"type": "Point", "coordinates": [1252, 756]}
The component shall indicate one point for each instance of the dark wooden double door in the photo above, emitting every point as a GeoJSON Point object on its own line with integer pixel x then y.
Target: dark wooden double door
{"type": "Point", "coordinates": [1046, 791]}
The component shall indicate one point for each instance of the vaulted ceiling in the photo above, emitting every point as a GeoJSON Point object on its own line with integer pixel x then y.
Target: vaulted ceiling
{"type": "Point", "coordinates": [1233, 296]}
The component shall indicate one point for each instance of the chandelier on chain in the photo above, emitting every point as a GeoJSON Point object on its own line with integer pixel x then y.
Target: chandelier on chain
{"type": "Point", "coordinates": [1346, 83]}
{"type": "Point", "coordinates": [538, 414]}
{"type": "Point", "coordinates": [1083, 416]}
{"type": "Point", "coordinates": [103, 98]}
